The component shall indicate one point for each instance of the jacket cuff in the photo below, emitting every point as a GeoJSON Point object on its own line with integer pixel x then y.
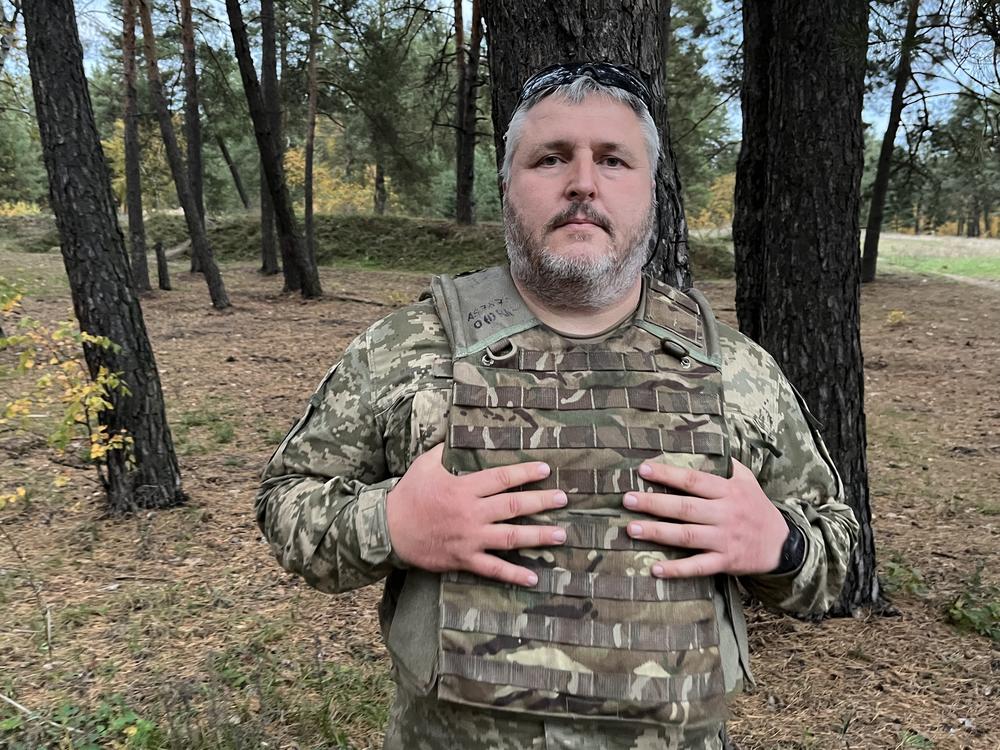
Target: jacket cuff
{"type": "Point", "coordinates": [375, 547]}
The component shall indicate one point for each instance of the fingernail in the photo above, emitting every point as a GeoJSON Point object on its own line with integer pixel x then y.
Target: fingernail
{"type": "Point", "coordinates": [645, 470]}
{"type": "Point", "coordinates": [543, 470]}
{"type": "Point", "coordinates": [631, 501]}
{"type": "Point", "coordinates": [559, 498]}
{"type": "Point", "coordinates": [635, 529]}
{"type": "Point", "coordinates": [532, 579]}
{"type": "Point", "coordinates": [559, 536]}
{"type": "Point", "coordinates": [657, 570]}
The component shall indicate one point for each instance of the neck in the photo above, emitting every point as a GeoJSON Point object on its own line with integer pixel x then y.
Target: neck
{"type": "Point", "coordinates": [583, 323]}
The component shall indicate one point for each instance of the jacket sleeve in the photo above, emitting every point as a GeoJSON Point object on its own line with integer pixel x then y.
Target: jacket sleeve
{"type": "Point", "coordinates": [775, 435]}
{"type": "Point", "coordinates": [321, 503]}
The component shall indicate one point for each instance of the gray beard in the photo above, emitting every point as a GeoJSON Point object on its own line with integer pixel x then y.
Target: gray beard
{"type": "Point", "coordinates": [576, 283]}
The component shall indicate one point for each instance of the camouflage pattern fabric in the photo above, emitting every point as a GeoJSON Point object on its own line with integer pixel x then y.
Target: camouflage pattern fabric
{"type": "Point", "coordinates": [321, 504]}
{"type": "Point", "coordinates": [598, 636]}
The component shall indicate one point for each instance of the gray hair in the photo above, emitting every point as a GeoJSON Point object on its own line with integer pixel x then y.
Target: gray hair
{"type": "Point", "coordinates": [574, 93]}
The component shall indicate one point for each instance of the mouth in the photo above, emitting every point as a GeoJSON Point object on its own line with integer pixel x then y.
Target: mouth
{"type": "Point", "coordinates": [578, 222]}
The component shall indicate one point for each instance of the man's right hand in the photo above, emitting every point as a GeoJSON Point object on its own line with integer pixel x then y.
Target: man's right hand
{"type": "Point", "coordinates": [442, 522]}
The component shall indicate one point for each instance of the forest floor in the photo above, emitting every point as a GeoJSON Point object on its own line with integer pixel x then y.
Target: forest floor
{"type": "Point", "coordinates": [177, 629]}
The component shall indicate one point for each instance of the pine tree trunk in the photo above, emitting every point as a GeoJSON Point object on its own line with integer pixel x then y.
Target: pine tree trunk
{"type": "Point", "coordinates": [235, 172]}
{"type": "Point", "coordinates": [467, 59]}
{"type": "Point", "coordinates": [523, 37]}
{"type": "Point", "coordinates": [381, 199]}
{"type": "Point", "coordinates": [796, 226]}
{"type": "Point", "coordinates": [880, 187]}
{"type": "Point", "coordinates": [311, 129]}
{"type": "Point", "coordinates": [93, 252]}
{"type": "Point", "coordinates": [133, 179]}
{"type": "Point", "coordinates": [192, 218]}
{"type": "Point", "coordinates": [269, 92]}
{"type": "Point", "coordinates": [270, 154]}
{"type": "Point", "coordinates": [192, 118]}
{"type": "Point", "coordinates": [162, 270]}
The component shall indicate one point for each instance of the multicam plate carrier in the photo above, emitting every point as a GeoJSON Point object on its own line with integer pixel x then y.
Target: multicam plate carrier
{"type": "Point", "coordinates": [599, 636]}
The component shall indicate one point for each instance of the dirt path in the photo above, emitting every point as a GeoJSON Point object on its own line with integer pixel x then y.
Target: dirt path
{"type": "Point", "coordinates": [185, 616]}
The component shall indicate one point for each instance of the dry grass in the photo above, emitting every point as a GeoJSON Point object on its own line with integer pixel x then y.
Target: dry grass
{"type": "Point", "coordinates": [183, 618]}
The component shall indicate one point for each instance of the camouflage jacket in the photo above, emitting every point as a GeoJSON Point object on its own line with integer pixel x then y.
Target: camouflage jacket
{"type": "Point", "coordinates": [322, 501]}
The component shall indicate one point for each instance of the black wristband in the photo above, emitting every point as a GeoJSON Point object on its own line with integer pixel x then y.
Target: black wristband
{"type": "Point", "coordinates": [793, 551]}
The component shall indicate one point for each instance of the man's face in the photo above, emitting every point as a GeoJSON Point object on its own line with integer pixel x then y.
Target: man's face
{"type": "Point", "coordinates": [578, 206]}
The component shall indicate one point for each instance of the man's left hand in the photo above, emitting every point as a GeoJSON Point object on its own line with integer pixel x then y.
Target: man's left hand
{"type": "Point", "coordinates": [737, 529]}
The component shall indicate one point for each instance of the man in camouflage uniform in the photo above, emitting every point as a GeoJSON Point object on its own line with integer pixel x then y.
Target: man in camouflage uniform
{"type": "Point", "coordinates": [379, 479]}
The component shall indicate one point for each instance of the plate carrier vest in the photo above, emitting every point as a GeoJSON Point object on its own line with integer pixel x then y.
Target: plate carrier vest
{"type": "Point", "coordinates": [599, 636]}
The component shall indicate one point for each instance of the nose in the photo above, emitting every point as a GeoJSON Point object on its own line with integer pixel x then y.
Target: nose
{"type": "Point", "coordinates": [582, 179]}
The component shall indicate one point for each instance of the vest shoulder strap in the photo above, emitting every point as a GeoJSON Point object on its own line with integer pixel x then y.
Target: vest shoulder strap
{"type": "Point", "coordinates": [685, 319]}
{"type": "Point", "coordinates": [479, 309]}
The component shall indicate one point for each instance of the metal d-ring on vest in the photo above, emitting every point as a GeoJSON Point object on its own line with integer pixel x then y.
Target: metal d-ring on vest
{"type": "Point", "coordinates": [598, 636]}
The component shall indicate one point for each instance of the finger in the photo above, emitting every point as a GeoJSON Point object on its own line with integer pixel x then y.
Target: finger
{"type": "Point", "coordinates": [491, 566]}
{"type": "Point", "coordinates": [696, 566]}
{"type": "Point", "coordinates": [514, 504]}
{"type": "Point", "coordinates": [686, 535]}
{"type": "Point", "coordinates": [494, 481]}
{"type": "Point", "coordinates": [517, 536]}
{"type": "Point", "coordinates": [681, 507]}
{"type": "Point", "coordinates": [690, 481]}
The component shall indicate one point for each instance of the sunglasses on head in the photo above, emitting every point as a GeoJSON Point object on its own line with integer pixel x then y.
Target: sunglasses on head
{"type": "Point", "coordinates": [606, 74]}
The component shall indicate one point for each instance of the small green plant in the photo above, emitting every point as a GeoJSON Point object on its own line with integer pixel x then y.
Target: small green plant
{"type": "Point", "coordinates": [112, 724]}
{"type": "Point", "coordinates": [56, 398]}
{"type": "Point", "coordinates": [901, 577]}
{"type": "Point", "coordinates": [909, 738]}
{"type": "Point", "coordinates": [977, 608]}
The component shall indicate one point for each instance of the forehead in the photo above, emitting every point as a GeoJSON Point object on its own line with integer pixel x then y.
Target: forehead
{"type": "Point", "coordinates": [596, 119]}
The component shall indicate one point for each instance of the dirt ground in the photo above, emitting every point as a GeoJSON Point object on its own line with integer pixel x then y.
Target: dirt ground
{"type": "Point", "coordinates": [186, 608]}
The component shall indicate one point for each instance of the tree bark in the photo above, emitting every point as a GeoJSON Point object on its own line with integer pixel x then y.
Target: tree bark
{"type": "Point", "coordinates": [192, 218]}
{"type": "Point", "coordinates": [162, 270]}
{"type": "Point", "coordinates": [234, 171]}
{"type": "Point", "coordinates": [133, 179]}
{"type": "Point", "coordinates": [381, 198]}
{"type": "Point", "coordinates": [523, 37]}
{"type": "Point", "coordinates": [311, 129]}
{"type": "Point", "coordinates": [796, 228]}
{"type": "Point", "coordinates": [269, 92]}
{"type": "Point", "coordinates": [192, 117]}
{"type": "Point", "coordinates": [270, 154]}
{"type": "Point", "coordinates": [93, 250]}
{"type": "Point", "coordinates": [467, 60]}
{"type": "Point", "coordinates": [880, 187]}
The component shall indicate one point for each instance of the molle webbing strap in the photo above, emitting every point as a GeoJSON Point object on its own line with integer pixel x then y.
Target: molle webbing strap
{"type": "Point", "coordinates": [582, 632]}
{"type": "Point", "coordinates": [662, 400]}
{"type": "Point", "coordinates": [593, 481]}
{"type": "Point", "coordinates": [708, 321]}
{"type": "Point", "coordinates": [589, 684]}
{"type": "Point", "coordinates": [637, 588]}
{"type": "Point", "coordinates": [593, 436]}
{"type": "Point", "coordinates": [480, 309]}
{"type": "Point", "coordinates": [586, 361]}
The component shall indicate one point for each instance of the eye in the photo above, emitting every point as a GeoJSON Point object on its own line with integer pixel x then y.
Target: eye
{"type": "Point", "coordinates": [612, 161]}
{"type": "Point", "coordinates": [549, 161]}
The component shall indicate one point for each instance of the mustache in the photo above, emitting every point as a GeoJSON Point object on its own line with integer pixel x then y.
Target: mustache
{"type": "Point", "coordinates": [590, 213]}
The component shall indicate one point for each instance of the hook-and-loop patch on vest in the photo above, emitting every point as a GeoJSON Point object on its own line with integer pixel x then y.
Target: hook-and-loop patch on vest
{"type": "Point", "coordinates": [598, 636]}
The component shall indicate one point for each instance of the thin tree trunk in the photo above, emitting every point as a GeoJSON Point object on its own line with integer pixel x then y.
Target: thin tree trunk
{"type": "Point", "coordinates": [972, 226]}
{"type": "Point", "coordinates": [93, 249]}
{"type": "Point", "coordinates": [381, 199]}
{"type": "Point", "coordinates": [234, 171]}
{"type": "Point", "coordinates": [880, 187]}
{"type": "Point", "coordinates": [987, 219]}
{"type": "Point", "coordinates": [311, 129]}
{"type": "Point", "coordinates": [133, 179]}
{"type": "Point", "coordinates": [269, 92]}
{"type": "Point", "coordinates": [523, 37]}
{"type": "Point", "coordinates": [192, 118]}
{"type": "Point", "coordinates": [162, 270]}
{"type": "Point", "coordinates": [796, 226]}
{"type": "Point", "coordinates": [467, 59]}
{"type": "Point", "coordinates": [270, 154]}
{"type": "Point", "coordinates": [960, 226]}
{"type": "Point", "coordinates": [195, 227]}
